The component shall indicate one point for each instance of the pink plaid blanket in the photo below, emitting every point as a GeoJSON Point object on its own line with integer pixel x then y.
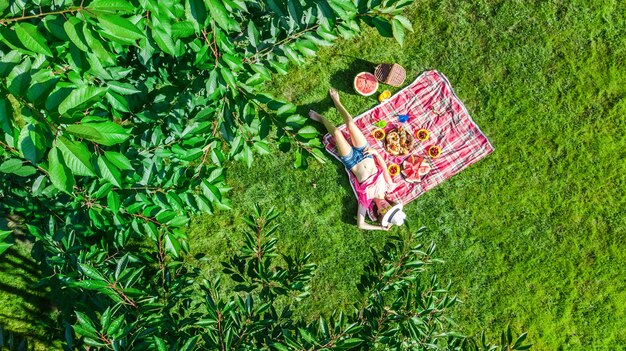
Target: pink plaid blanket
{"type": "Point", "coordinates": [430, 103]}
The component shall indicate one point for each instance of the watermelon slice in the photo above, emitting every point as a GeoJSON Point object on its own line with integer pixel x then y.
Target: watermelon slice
{"type": "Point", "coordinates": [408, 173]}
{"type": "Point", "coordinates": [423, 169]}
{"type": "Point", "coordinates": [365, 83]}
{"type": "Point", "coordinates": [414, 168]}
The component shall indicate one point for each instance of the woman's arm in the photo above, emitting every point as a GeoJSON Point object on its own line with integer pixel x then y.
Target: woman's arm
{"type": "Point", "coordinates": [361, 212]}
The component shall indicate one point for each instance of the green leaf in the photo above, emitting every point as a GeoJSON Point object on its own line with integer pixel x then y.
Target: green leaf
{"type": "Point", "coordinates": [405, 22]}
{"type": "Point", "coordinates": [190, 344]}
{"type": "Point", "coordinates": [42, 83]}
{"type": "Point", "coordinates": [123, 88]}
{"type": "Point", "coordinates": [383, 26]}
{"type": "Point", "coordinates": [398, 31]}
{"type": "Point", "coordinates": [195, 10]}
{"type": "Point", "coordinates": [234, 62]}
{"type": "Point", "coordinates": [159, 344]}
{"type": "Point", "coordinates": [253, 34]}
{"type": "Point", "coordinates": [308, 132]}
{"type": "Point", "coordinates": [105, 318]}
{"type": "Point", "coordinates": [32, 142]}
{"type": "Point", "coordinates": [60, 176]}
{"type": "Point", "coordinates": [4, 234]}
{"type": "Point", "coordinates": [319, 156]}
{"type": "Point", "coordinates": [8, 61]}
{"type": "Point", "coordinates": [75, 34]}
{"type": "Point", "coordinates": [222, 17]}
{"type": "Point", "coordinates": [113, 201]}
{"type": "Point", "coordinates": [183, 29]}
{"type": "Point", "coordinates": [76, 156]}
{"type": "Point", "coordinates": [91, 272]}
{"type": "Point", "coordinates": [306, 47]}
{"type": "Point", "coordinates": [6, 116]}
{"type": "Point", "coordinates": [327, 15]}
{"type": "Point", "coordinates": [31, 38]}
{"type": "Point", "coordinates": [11, 165]}
{"type": "Point", "coordinates": [119, 160]}
{"type": "Point", "coordinates": [262, 148]}
{"type": "Point", "coordinates": [81, 98]}
{"type": "Point", "coordinates": [81, 330]}
{"type": "Point", "coordinates": [97, 46]}
{"type": "Point", "coordinates": [117, 101]}
{"type": "Point", "coordinates": [109, 172]}
{"type": "Point", "coordinates": [349, 343]}
{"type": "Point", "coordinates": [115, 325]}
{"type": "Point", "coordinates": [228, 77]}
{"type": "Point", "coordinates": [19, 78]}
{"type": "Point", "coordinates": [104, 133]}
{"type": "Point", "coordinates": [172, 245]}
{"type": "Point", "coordinates": [111, 6]}
{"type": "Point", "coordinates": [164, 41]}
{"type": "Point", "coordinates": [120, 28]}
{"type": "Point", "coordinates": [211, 191]}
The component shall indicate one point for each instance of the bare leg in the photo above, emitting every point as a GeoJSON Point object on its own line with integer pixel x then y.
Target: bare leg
{"type": "Point", "coordinates": [358, 139]}
{"type": "Point", "coordinates": [343, 147]}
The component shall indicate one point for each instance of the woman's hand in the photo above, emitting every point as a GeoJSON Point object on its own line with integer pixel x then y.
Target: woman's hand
{"type": "Point", "coordinates": [371, 151]}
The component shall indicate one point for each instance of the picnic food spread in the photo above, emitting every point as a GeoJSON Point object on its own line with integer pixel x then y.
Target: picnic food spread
{"type": "Point", "coordinates": [365, 83]}
{"type": "Point", "coordinates": [378, 134]}
{"type": "Point", "coordinates": [422, 134]}
{"type": "Point", "coordinates": [399, 142]}
{"type": "Point", "coordinates": [414, 168]}
{"type": "Point", "coordinates": [434, 151]}
{"type": "Point", "coordinates": [393, 169]}
{"type": "Point", "coordinates": [455, 138]}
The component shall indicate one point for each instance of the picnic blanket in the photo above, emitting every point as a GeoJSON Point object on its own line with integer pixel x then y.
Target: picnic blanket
{"type": "Point", "coordinates": [430, 103]}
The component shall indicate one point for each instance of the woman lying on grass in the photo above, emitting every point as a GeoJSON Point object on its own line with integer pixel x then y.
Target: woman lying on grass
{"type": "Point", "coordinates": [374, 181]}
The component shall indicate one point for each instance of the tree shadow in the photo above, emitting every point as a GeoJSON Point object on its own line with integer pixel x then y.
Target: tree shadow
{"type": "Point", "coordinates": [343, 80]}
{"type": "Point", "coordinates": [22, 291]}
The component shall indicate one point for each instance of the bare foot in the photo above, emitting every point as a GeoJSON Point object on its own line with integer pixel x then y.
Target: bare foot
{"type": "Point", "coordinates": [334, 94]}
{"type": "Point", "coordinates": [315, 116]}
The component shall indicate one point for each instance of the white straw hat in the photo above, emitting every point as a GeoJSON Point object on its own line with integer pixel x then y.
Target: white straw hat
{"type": "Point", "coordinates": [394, 215]}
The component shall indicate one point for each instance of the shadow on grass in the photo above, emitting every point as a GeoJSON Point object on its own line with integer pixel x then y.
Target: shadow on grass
{"type": "Point", "coordinates": [19, 288]}
{"type": "Point", "coordinates": [343, 80]}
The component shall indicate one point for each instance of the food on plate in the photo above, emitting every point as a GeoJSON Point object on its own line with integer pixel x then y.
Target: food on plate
{"type": "Point", "coordinates": [393, 169]}
{"type": "Point", "coordinates": [386, 94]}
{"type": "Point", "coordinates": [378, 134]}
{"type": "Point", "coordinates": [399, 142]}
{"type": "Point", "coordinates": [414, 168]}
{"type": "Point", "coordinates": [422, 134]}
{"type": "Point", "coordinates": [434, 151]}
{"type": "Point", "coordinates": [365, 83]}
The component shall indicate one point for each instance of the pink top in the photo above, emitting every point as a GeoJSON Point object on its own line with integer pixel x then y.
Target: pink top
{"type": "Point", "coordinates": [372, 186]}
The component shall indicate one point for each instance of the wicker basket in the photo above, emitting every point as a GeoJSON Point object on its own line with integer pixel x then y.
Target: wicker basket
{"type": "Point", "coordinates": [392, 74]}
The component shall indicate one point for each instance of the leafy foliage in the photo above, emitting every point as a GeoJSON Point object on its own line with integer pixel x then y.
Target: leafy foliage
{"type": "Point", "coordinates": [134, 301]}
{"type": "Point", "coordinates": [146, 101]}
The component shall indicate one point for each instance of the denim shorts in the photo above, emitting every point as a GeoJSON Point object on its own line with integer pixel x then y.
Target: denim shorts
{"type": "Point", "coordinates": [356, 155]}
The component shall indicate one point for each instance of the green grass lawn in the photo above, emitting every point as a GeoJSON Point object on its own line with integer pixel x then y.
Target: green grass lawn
{"type": "Point", "coordinates": [534, 234]}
